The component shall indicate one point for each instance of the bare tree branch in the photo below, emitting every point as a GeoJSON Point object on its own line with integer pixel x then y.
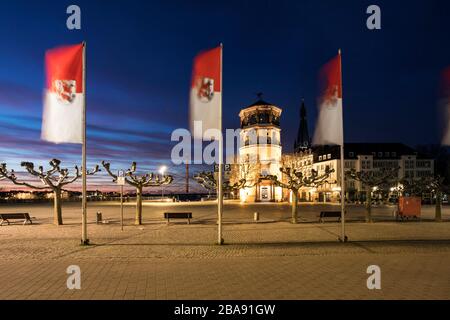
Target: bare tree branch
{"type": "Point", "coordinates": [146, 180]}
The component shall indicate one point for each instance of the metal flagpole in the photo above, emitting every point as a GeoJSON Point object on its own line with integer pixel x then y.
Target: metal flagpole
{"type": "Point", "coordinates": [84, 238]}
{"type": "Point", "coordinates": [343, 237]}
{"type": "Point", "coordinates": [121, 207]}
{"type": "Point", "coordinates": [219, 189]}
{"type": "Point", "coordinates": [187, 177]}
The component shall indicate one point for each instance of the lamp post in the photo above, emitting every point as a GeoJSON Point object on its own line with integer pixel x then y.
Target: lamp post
{"type": "Point", "coordinates": [121, 183]}
{"type": "Point", "coordinates": [162, 171]}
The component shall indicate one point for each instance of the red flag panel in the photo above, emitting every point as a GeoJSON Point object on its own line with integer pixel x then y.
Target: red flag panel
{"type": "Point", "coordinates": [330, 80]}
{"type": "Point", "coordinates": [207, 65]}
{"type": "Point", "coordinates": [65, 63]}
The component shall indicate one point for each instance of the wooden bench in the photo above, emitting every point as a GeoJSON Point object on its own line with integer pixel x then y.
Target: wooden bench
{"type": "Point", "coordinates": [329, 214]}
{"type": "Point", "coordinates": [15, 216]}
{"type": "Point", "coordinates": [178, 215]}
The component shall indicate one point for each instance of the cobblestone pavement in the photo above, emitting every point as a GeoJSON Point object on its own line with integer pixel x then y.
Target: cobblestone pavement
{"type": "Point", "coordinates": [272, 259]}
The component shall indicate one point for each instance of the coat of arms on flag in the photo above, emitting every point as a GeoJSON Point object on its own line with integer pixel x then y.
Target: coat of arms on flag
{"type": "Point", "coordinates": [65, 90]}
{"type": "Point", "coordinates": [205, 89]}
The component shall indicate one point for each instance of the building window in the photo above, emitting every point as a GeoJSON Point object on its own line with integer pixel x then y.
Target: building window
{"type": "Point", "coordinates": [394, 154]}
{"type": "Point", "coordinates": [423, 164]}
{"type": "Point", "coordinates": [421, 174]}
{"type": "Point", "coordinates": [365, 164]}
{"type": "Point", "coordinates": [351, 154]}
{"type": "Point", "coordinates": [409, 164]}
{"type": "Point", "coordinates": [320, 158]}
{"type": "Point", "coordinates": [387, 154]}
{"type": "Point", "coordinates": [329, 156]}
{"type": "Point", "coordinates": [380, 154]}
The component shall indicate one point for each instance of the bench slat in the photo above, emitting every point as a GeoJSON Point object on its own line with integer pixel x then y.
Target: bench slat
{"type": "Point", "coordinates": [178, 215]}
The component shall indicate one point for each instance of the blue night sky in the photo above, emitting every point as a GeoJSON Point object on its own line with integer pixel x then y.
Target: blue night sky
{"type": "Point", "coordinates": [139, 67]}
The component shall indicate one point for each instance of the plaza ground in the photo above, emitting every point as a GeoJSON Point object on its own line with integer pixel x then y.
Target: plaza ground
{"type": "Point", "coordinates": [271, 259]}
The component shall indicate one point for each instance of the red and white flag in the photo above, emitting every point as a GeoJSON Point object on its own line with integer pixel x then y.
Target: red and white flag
{"type": "Point", "coordinates": [445, 106]}
{"type": "Point", "coordinates": [64, 95]}
{"type": "Point", "coordinates": [206, 92]}
{"type": "Point", "coordinates": [329, 126]}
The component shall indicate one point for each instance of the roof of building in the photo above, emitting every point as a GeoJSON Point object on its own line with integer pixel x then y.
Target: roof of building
{"type": "Point", "coordinates": [378, 150]}
{"type": "Point", "coordinates": [260, 102]}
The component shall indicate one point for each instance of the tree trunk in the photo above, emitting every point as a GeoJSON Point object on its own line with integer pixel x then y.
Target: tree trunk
{"type": "Point", "coordinates": [57, 212]}
{"type": "Point", "coordinates": [294, 206]}
{"type": "Point", "coordinates": [438, 213]}
{"type": "Point", "coordinates": [138, 218]}
{"type": "Point", "coordinates": [369, 206]}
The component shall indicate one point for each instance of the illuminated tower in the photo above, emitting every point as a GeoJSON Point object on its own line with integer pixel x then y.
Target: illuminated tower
{"type": "Point", "coordinates": [260, 151]}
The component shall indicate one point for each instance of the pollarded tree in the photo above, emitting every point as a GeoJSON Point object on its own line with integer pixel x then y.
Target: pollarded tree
{"type": "Point", "coordinates": [297, 180]}
{"type": "Point", "coordinates": [437, 186]}
{"type": "Point", "coordinates": [412, 187]}
{"type": "Point", "coordinates": [139, 182]}
{"type": "Point", "coordinates": [208, 181]}
{"type": "Point", "coordinates": [382, 178]}
{"type": "Point", "coordinates": [239, 179]}
{"type": "Point", "coordinates": [54, 179]}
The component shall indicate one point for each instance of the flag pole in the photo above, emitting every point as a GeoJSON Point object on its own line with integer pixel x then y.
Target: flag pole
{"type": "Point", "coordinates": [219, 188]}
{"type": "Point", "coordinates": [343, 237]}
{"type": "Point", "coordinates": [84, 238]}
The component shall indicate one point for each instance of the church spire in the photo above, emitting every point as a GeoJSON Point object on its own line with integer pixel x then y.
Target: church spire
{"type": "Point", "coordinates": [303, 140]}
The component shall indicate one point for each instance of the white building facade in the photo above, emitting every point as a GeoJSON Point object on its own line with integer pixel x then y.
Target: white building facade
{"type": "Point", "coordinates": [368, 157]}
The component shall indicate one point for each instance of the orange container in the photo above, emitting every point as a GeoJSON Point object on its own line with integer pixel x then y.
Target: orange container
{"type": "Point", "coordinates": [409, 206]}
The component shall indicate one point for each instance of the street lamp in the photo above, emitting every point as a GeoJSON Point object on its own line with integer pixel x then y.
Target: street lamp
{"type": "Point", "coordinates": [162, 171]}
